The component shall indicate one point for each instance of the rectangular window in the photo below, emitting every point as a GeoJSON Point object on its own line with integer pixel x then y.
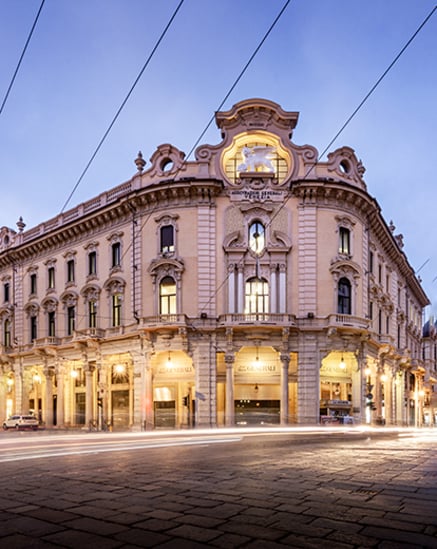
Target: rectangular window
{"type": "Point", "coordinates": [371, 310]}
{"type": "Point", "coordinates": [33, 328]}
{"type": "Point", "coordinates": [7, 333]}
{"type": "Point", "coordinates": [92, 263]}
{"type": "Point", "coordinates": [380, 273]}
{"type": "Point", "coordinates": [344, 244]}
{"type": "Point", "coordinates": [92, 314]}
{"type": "Point", "coordinates": [70, 270]}
{"type": "Point", "coordinates": [167, 239]}
{"type": "Point", "coordinates": [51, 277]}
{"type": "Point", "coordinates": [71, 313]}
{"type": "Point", "coordinates": [116, 254]}
{"type": "Point", "coordinates": [33, 283]}
{"type": "Point", "coordinates": [116, 310]}
{"type": "Point", "coordinates": [51, 324]}
{"type": "Point", "coordinates": [371, 262]}
{"type": "Point", "coordinates": [6, 295]}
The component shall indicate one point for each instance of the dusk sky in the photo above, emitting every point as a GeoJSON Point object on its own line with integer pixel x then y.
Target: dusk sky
{"type": "Point", "coordinates": [321, 59]}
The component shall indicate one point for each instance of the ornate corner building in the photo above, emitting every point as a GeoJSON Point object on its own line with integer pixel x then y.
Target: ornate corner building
{"type": "Point", "coordinates": [252, 285]}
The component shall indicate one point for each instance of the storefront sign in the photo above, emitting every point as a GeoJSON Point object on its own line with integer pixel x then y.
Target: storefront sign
{"type": "Point", "coordinates": [256, 368]}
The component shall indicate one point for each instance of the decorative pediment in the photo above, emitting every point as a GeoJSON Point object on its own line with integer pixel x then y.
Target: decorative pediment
{"type": "Point", "coordinates": [115, 285]}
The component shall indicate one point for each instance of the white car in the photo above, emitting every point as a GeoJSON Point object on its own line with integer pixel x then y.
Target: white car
{"type": "Point", "coordinates": [21, 422]}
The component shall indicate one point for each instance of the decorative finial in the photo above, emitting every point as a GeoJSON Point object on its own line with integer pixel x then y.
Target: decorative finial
{"type": "Point", "coordinates": [21, 224]}
{"type": "Point", "coordinates": [140, 162]}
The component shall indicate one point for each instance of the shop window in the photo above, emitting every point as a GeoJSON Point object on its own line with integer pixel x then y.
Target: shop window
{"type": "Point", "coordinates": [167, 239]}
{"type": "Point", "coordinates": [256, 296]}
{"type": "Point", "coordinates": [344, 241]}
{"type": "Point", "coordinates": [120, 374]}
{"type": "Point", "coordinates": [167, 296]}
{"type": "Point", "coordinates": [344, 296]}
{"type": "Point", "coordinates": [116, 310]}
{"type": "Point", "coordinates": [257, 238]}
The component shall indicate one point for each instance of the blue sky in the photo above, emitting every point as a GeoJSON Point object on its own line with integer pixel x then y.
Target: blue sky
{"type": "Point", "coordinates": [321, 59]}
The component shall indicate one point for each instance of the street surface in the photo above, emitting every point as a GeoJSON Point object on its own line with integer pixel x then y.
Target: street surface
{"type": "Point", "coordinates": [312, 488]}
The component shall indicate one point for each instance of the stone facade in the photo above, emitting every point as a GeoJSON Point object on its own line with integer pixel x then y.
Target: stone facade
{"type": "Point", "coordinates": [252, 285]}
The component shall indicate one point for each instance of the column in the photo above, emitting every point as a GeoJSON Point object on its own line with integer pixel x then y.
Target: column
{"type": "Point", "coordinates": [48, 397]}
{"type": "Point", "coordinates": [308, 380]}
{"type": "Point", "coordinates": [285, 360]}
{"type": "Point", "coordinates": [273, 290]}
{"type": "Point", "coordinates": [18, 382]}
{"type": "Point", "coordinates": [206, 380]}
{"type": "Point", "coordinates": [149, 415]}
{"type": "Point", "coordinates": [3, 393]}
{"type": "Point", "coordinates": [240, 290]}
{"type": "Point", "coordinates": [139, 366]}
{"type": "Point", "coordinates": [231, 289]}
{"type": "Point", "coordinates": [229, 404]}
{"type": "Point", "coordinates": [60, 401]}
{"type": "Point", "coordinates": [282, 292]}
{"type": "Point", "coordinates": [89, 401]}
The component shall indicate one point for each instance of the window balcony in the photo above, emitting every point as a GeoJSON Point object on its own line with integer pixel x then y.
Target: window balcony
{"type": "Point", "coordinates": [44, 341]}
{"type": "Point", "coordinates": [163, 320]}
{"type": "Point", "coordinates": [257, 319]}
{"type": "Point", "coordinates": [349, 321]}
{"type": "Point", "coordinates": [89, 333]}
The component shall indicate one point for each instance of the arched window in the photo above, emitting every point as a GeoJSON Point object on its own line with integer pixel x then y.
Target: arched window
{"type": "Point", "coordinates": [167, 296]}
{"type": "Point", "coordinates": [256, 296]}
{"type": "Point", "coordinates": [7, 333]}
{"type": "Point", "coordinates": [257, 237]}
{"type": "Point", "coordinates": [344, 297]}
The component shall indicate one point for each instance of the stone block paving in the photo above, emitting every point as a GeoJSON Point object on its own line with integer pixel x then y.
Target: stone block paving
{"type": "Point", "coordinates": [373, 492]}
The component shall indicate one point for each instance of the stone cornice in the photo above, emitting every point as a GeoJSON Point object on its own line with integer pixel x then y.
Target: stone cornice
{"type": "Point", "coordinates": [331, 193]}
{"type": "Point", "coordinates": [90, 217]}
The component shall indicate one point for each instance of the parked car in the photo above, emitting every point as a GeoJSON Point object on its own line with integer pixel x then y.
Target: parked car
{"type": "Point", "coordinates": [21, 422]}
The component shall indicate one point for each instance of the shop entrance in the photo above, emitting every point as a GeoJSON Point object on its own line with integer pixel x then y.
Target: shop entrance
{"type": "Point", "coordinates": [120, 409]}
{"type": "Point", "coordinates": [165, 414]}
{"type": "Point", "coordinates": [257, 412]}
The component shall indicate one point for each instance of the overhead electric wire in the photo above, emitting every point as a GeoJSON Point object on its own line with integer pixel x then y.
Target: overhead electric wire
{"type": "Point", "coordinates": [21, 58]}
{"type": "Point", "coordinates": [105, 135]}
{"type": "Point", "coordinates": [384, 74]}
{"type": "Point", "coordinates": [246, 66]}
{"type": "Point", "coordinates": [380, 79]}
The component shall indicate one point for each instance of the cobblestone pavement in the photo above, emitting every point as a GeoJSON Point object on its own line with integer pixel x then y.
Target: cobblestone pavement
{"type": "Point", "coordinates": [267, 492]}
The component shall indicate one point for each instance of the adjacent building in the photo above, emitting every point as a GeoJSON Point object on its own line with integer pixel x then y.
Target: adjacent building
{"type": "Point", "coordinates": [252, 285]}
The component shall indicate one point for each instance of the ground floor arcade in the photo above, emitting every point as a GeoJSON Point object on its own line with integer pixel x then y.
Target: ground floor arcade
{"type": "Point", "coordinates": [206, 387]}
